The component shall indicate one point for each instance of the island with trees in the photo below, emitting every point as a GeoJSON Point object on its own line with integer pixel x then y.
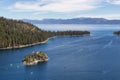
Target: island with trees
{"type": "Point", "coordinates": [18, 34]}
{"type": "Point", "coordinates": [35, 58]}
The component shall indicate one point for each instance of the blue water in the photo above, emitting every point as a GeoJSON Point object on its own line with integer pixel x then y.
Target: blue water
{"type": "Point", "coordinates": [95, 57]}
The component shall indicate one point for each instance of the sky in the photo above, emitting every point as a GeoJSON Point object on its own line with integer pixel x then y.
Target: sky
{"type": "Point", "coordinates": [59, 9]}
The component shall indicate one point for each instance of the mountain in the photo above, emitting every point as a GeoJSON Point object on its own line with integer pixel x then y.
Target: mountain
{"type": "Point", "coordinates": [74, 21]}
{"type": "Point", "coordinates": [17, 34]}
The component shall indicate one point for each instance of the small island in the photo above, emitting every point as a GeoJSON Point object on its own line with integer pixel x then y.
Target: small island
{"type": "Point", "coordinates": [116, 33]}
{"type": "Point", "coordinates": [35, 58]}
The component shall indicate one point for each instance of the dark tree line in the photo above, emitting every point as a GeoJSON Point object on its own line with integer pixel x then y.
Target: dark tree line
{"type": "Point", "coordinates": [15, 33]}
{"type": "Point", "coordinates": [69, 33]}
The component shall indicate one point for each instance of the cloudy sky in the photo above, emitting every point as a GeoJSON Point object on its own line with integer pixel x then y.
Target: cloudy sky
{"type": "Point", "coordinates": [40, 9]}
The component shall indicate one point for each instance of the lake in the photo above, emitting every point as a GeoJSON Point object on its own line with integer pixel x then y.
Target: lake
{"type": "Point", "coordinates": [95, 57]}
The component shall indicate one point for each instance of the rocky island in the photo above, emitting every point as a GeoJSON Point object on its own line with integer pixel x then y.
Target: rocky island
{"type": "Point", "coordinates": [116, 33]}
{"type": "Point", "coordinates": [35, 58]}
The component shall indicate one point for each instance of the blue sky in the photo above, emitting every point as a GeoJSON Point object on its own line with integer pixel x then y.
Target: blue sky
{"type": "Point", "coordinates": [59, 9]}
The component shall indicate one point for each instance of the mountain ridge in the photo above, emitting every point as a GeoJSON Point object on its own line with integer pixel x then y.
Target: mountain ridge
{"type": "Point", "coordinates": [74, 21]}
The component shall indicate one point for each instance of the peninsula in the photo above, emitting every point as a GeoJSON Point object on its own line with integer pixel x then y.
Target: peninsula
{"type": "Point", "coordinates": [35, 58]}
{"type": "Point", "coordinates": [18, 34]}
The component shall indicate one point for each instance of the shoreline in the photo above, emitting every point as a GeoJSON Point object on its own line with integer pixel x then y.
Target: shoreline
{"type": "Point", "coordinates": [43, 42]}
{"type": "Point", "coordinates": [23, 46]}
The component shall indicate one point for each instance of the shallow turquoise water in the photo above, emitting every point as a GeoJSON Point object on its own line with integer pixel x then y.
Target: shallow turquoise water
{"type": "Point", "coordinates": [94, 57]}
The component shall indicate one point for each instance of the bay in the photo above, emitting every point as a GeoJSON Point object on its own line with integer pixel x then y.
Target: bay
{"type": "Point", "coordinates": [94, 57]}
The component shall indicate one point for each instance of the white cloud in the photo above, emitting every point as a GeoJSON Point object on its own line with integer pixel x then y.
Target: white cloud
{"type": "Point", "coordinates": [117, 2]}
{"type": "Point", "coordinates": [56, 5]}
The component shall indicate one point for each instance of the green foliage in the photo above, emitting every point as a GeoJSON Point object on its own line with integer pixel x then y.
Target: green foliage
{"type": "Point", "coordinates": [69, 33]}
{"type": "Point", "coordinates": [35, 56]}
{"type": "Point", "coordinates": [14, 33]}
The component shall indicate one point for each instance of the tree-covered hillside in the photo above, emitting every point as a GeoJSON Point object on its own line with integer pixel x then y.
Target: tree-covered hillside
{"type": "Point", "coordinates": [15, 33]}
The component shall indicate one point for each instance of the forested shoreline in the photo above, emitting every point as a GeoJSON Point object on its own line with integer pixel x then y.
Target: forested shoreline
{"type": "Point", "coordinates": [17, 34]}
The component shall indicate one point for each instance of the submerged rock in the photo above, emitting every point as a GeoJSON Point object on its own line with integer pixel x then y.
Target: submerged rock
{"type": "Point", "coordinates": [35, 58]}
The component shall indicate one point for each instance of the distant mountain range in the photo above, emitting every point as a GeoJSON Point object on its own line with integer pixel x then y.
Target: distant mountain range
{"type": "Point", "coordinates": [74, 21]}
